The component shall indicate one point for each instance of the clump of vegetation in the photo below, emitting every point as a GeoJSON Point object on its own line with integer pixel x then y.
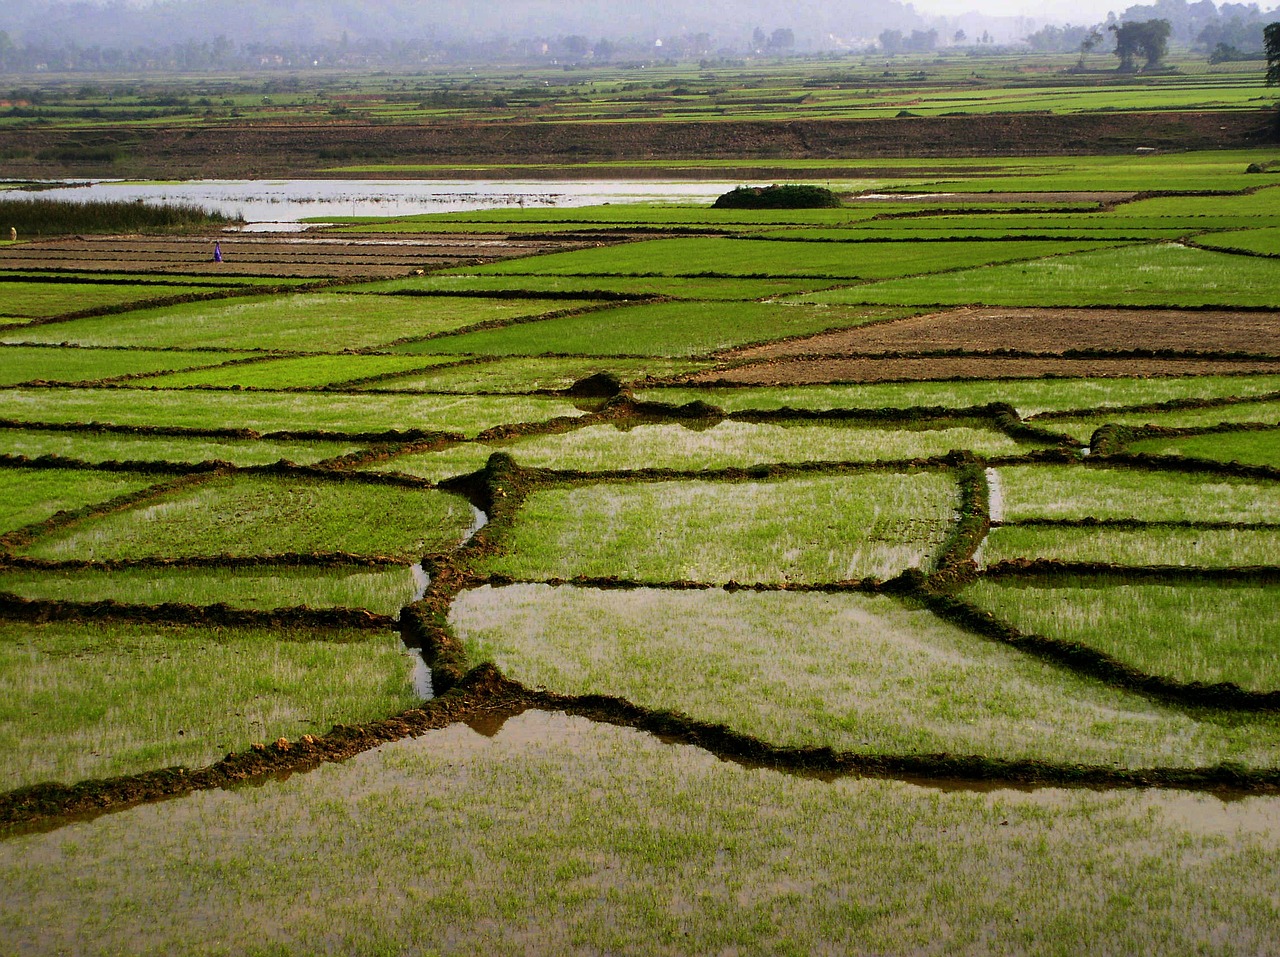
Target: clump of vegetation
{"type": "Point", "coordinates": [789, 196]}
{"type": "Point", "coordinates": [52, 217]}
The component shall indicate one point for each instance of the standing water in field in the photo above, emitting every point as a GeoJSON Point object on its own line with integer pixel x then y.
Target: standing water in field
{"type": "Point", "coordinates": [421, 677]}
{"type": "Point", "coordinates": [995, 509]}
{"type": "Point", "coordinates": [283, 204]}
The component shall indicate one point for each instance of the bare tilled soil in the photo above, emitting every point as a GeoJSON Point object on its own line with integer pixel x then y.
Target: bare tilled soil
{"type": "Point", "coordinates": [265, 149]}
{"type": "Point", "coordinates": [319, 255]}
{"type": "Point", "coordinates": [987, 329]}
{"type": "Point", "coordinates": [812, 371]}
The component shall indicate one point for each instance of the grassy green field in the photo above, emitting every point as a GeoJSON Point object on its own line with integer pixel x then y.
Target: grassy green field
{"type": "Point", "coordinates": [252, 515]}
{"type": "Point", "coordinates": [383, 591]}
{"type": "Point", "coordinates": [568, 835]}
{"type": "Point", "coordinates": [88, 701]}
{"type": "Point", "coordinates": [828, 528]}
{"type": "Point", "coordinates": [1206, 633]}
{"type": "Point", "coordinates": [1249, 448]}
{"type": "Point", "coordinates": [296, 322]}
{"type": "Point", "coordinates": [108, 446]}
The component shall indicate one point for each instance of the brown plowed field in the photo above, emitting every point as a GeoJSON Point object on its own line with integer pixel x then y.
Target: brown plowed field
{"type": "Point", "coordinates": [982, 329]}
{"type": "Point", "coordinates": [265, 149]}
{"type": "Point", "coordinates": [259, 254]}
{"type": "Point", "coordinates": [834, 370]}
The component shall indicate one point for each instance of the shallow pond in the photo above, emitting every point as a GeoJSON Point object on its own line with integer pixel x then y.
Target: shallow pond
{"type": "Point", "coordinates": [282, 204]}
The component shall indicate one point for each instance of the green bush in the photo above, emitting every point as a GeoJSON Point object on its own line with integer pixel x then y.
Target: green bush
{"type": "Point", "coordinates": [778, 197]}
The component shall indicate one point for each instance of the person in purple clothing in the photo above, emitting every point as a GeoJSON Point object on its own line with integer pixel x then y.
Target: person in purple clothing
{"type": "Point", "coordinates": [217, 252]}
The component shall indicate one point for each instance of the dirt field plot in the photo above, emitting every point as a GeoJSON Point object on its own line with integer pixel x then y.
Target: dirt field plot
{"type": "Point", "coordinates": [979, 329]}
{"type": "Point", "coordinates": [244, 254]}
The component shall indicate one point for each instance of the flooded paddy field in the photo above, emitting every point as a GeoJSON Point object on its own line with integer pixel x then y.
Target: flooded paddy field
{"type": "Point", "coordinates": [589, 602]}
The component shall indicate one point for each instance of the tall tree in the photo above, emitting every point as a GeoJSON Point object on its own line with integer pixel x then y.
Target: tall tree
{"type": "Point", "coordinates": [1271, 42]}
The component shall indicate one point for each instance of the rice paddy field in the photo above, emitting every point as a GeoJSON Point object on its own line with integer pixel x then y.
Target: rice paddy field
{"type": "Point", "coordinates": [888, 579]}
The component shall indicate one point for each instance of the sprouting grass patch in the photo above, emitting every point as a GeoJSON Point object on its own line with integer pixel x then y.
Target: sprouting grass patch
{"type": "Point", "coordinates": [1028, 396]}
{"type": "Point", "coordinates": [818, 529]}
{"type": "Point", "coordinates": [268, 412]}
{"type": "Point", "coordinates": [520, 374]}
{"type": "Point", "coordinates": [1248, 448]}
{"type": "Point", "coordinates": [38, 300]}
{"type": "Point", "coordinates": [119, 447]}
{"type": "Point", "coordinates": [660, 329]}
{"type": "Point", "coordinates": [266, 515]}
{"type": "Point", "coordinates": [1264, 413]}
{"type": "Point", "coordinates": [1264, 241]}
{"type": "Point", "coordinates": [1163, 274]}
{"type": "Point", "coordinates": [300, 372]}
{"type": "Point", "coordinates": [783, 260]}
{"type": "Point", "coordinates": [853, 672]}
{"type": "Point", "coordinates": [1195, 547]}
{"type": "Point", "coordinates": [32, 495]}
{"type": "Point", "coordinates": [383, 591]}
{"type": "Point", "coordinates": [1072, 492]}
{"type": "Point", "coordinates": [676, 287]}
{"type": "Point", "coordinates": [558, 835]}
{"type": "Point", "coordinates": [300, 322]}
{"type": "Point", "coordinates": [695, 445]}
{"type": "Point", "coordinates": [29, 363]}
{"type": "Point", "coordinates": [460, 459]}
{"type": "Point", "coordinates": [96, 700]}
{"type": "Point", "coordinates": [1188, 632]}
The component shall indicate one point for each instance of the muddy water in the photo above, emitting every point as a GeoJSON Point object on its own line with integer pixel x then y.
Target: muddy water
{"type": "Point", "coordinates": [995, 510]}
{"type": "Point", "coordinates": [421, 677]}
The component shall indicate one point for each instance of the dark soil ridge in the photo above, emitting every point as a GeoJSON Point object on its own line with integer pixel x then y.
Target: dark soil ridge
{"type": "Point", "coordinates": [20, 537]}
{"type": "Point", "coordinates": [1115, 439]}
{"type": "Point", "coordinates": [1082, 659]}
{"type": "Point", "coordinates": [1048, 568]}
{"type": "Point", "coordinates": [1138, 524]}
{"type": "Point", "coordinates": [485, 691]}
{"type": "Point", "coordinates": [187, 432]}
{"type": "Point", "coordinates": [283, 560]}
{"type": "Point", "coordinates": [16, 608]}
{"type": "Point", "coordinates": [1184, 464]}
{"type": "Point", "coordinates": [270, 149]}
{"type": "Point", "coordinates": [1171, 405]}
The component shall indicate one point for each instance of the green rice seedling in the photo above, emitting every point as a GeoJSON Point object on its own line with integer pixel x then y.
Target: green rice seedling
{"type": "Point", "coordinates": [461, 459]}
{"type": "Point", "coordinates": [302, 372]}
{"type": "Point", "coordinates": [526, 375]}
{"type": "Point", "coordinates": [27, 364]}
{"type": "Point", "coordinates": [587, 286]}
{"type": "Point", "coordinates": [113, 446]}
{"type": "Point", "coordinates": [300, 322]}
{"type": "Point", "coordinates": [1249, 448]}
{"type": "Point", "coordinates": [1264, 241]}
{"type": "Point", "coordinates": [1074, 492]}
{"type": "Point", "coordinates": [1195, 547]}
{"type": "Point", "coordinates": [268, 412]}
{"type": "Point", "coordinates": [267, 515]}
{"type": "Point", "coordinates": [32, 495]}
{"type": "Point", "coordinates": [1165, 274]}
{"type": "Point", "coordinates": [1029, 396]}
{"type": "Point", "coordinates": [660, 329]}
{"type": "Point", "coordinates": [817, 529]}
{"type": "Point", "coordinates": [1263, 413]}
{"type": "Point", "coordinates": [383, 591]}
{"type": "Point", "coordinates": [732, 257]}
{"type": "Point", "coordinates": [1211, 633]}
{"type": "Point", "coordinates": [692, 446]}
{"type": "Point", "coordinates": [852, 672]}
{"type": "Point", "coordinates": [96, 700]}
{"type": "Point", "coordinates": [554, 835]}
{"type": "Point", "coordinates": [39, 300]}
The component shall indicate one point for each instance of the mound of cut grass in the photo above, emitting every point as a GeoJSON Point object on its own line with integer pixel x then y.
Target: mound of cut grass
{"type": "Point", "coordinates": [778, 196]}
